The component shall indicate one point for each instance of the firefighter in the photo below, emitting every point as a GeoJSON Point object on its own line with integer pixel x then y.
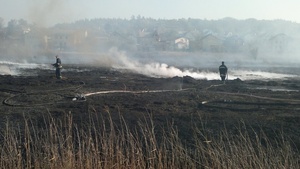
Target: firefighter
{"type": "Point", "coordinates": [223, 71]}
{"type": "Point", "coordinates": [58, 67]}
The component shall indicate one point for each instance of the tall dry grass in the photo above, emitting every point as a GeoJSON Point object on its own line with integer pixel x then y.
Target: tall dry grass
{"type": "Point", "coordinates": [100, 143]}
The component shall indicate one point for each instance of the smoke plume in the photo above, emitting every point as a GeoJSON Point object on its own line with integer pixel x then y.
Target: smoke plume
{"type": "Point", "coordinates": [154, 66]}
{"type": "Point", "coordinates": [162, 70]}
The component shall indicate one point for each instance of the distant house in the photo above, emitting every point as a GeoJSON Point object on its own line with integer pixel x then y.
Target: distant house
{"type": "Point", "coordinates": [35, 40]}
{"type": "Point", "coordinates": [182, 43]}
{"type": "Point", "coordinates": [233, 43]}
{"type": "Point", "coordinates": [59, 40]}
{"type": "Point", "coordinates": [70, 40]}
{"type": "Point", "coordinates": [212, 43]}
{"type": "Point", "coordinates": [278, 43]}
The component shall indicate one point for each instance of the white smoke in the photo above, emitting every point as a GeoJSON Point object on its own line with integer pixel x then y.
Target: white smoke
{"type": "Point", "coordinates": [258, 75]}
{"type": "Point", "coordinates": [120, 60]}
{"type": "Point", "coordinates": [6, 70]}
{"type": "Point", "coordinates": [14, 68]}
{"type": "Point", "coordinates": [162, 70]}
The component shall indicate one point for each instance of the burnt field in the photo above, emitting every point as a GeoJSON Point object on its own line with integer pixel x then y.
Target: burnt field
{"type": "Point", "coordinates": [271, 106]}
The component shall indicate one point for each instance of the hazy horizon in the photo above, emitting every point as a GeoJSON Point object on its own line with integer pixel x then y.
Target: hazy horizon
{"type": "Point", "coordinates": [50, 12]}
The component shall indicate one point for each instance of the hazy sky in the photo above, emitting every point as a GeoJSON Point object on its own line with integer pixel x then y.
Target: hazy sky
{"type": "Point", "coordinates": [49, 12]}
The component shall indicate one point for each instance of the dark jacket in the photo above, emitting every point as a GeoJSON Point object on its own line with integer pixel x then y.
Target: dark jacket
{"type": "Point", "coordinates": [223, 70]}
{"type": "Point", "coordinates": [58, 63]}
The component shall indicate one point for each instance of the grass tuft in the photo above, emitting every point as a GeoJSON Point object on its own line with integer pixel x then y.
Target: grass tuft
{"type": "Point", "coordinates": [100, 143]}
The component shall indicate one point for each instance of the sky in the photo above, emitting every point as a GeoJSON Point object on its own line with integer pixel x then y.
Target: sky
{"type": "Point", "coordinates": [50, 12]}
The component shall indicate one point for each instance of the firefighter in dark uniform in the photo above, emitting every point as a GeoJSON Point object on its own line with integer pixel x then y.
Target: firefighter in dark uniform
{"type": "Point", "coordinates": [58, 67]}
{"type": "Point", "coordinates": [223, 72]}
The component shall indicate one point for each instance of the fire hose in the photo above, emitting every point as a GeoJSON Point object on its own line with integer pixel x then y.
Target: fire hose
{"type": "Point", "coordinates": [225, 103]}
{"type": "Point", "coordinates": [219, 103]}
{"type": "Point", "coordinates": [19, 93]}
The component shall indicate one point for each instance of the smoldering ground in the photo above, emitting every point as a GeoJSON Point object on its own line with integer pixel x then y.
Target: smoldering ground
{"type": "Point", "coordinates": [160, 65]}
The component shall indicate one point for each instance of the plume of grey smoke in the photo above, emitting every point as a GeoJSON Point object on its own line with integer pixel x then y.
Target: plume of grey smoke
{"type": "Point", "coordinates": [6, 70]}
{"type": "Point", "coordinates": [156, 69]}
{"type": "Point", "coordinates": [122, 61]}
{"type": "Point", "coordinates": [14, 68]}
{"type": "Point", "coordinates": [50, 12]}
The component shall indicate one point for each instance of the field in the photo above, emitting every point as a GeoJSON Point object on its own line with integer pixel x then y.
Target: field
{"type": "Point", "coordinates": [179, 108]}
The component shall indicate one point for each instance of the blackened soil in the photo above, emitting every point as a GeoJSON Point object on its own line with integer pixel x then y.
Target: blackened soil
{"type": "Point", "coordinates": [182, 102]}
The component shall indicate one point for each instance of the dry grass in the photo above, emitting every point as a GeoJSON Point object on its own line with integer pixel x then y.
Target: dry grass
{"type": "Point", "coordinates": [100, 143]}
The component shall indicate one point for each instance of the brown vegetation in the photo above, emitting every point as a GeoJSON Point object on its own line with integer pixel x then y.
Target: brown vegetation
{"type": "Point", "coordinates": [207, 125]}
